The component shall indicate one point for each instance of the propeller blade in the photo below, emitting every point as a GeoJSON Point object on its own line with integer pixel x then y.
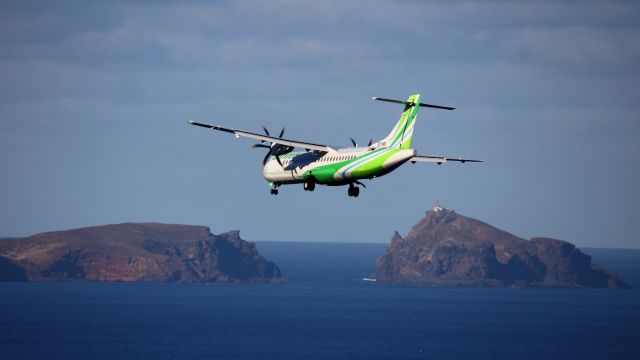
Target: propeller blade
{"type": "Point", "coordinates": [266, 158]}
{"type": "Point", "coordinates": [353, 142]}
{"type": "Point", "coordinates": [260, 146]}
{"type": "Point", "coordinates": [279, 162]}
{"type": "Point", "coordinates": [281, 133]}
{"type": "Point", "coordinates": [370, 142]}
{"type": "Point", "coordinates": [266, 131]}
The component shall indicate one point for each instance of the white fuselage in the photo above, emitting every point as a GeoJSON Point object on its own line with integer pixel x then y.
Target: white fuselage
{"type": "Point", "coordinates": [295, 166]}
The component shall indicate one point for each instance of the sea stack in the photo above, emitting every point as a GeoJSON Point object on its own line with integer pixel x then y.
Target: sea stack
{"type": "Point", "coordinates": [446, 248]}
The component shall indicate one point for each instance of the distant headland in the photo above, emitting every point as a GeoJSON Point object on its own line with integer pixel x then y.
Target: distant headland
{"type": "Point", "coordinates": [446, 248]}
{"type": "Point", "coordinates": [135, 252]}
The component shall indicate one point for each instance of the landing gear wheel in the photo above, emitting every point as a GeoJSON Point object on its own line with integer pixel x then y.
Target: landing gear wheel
{"type": "Point", "coordinates": [274, 191]}
{"type": "Point", "coordinates": [309, 186]}
{"type": "Point", "coordinates": [353, 191]}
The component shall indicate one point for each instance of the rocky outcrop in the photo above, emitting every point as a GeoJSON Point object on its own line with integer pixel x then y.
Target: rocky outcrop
{"type": "Point", "coordinates": [446, 248]}
{"type": "Point", "coordinates": [135, 252]}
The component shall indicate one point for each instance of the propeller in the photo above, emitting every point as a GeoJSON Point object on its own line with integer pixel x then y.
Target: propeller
{"type": "Point", "coordinates": [274, 148]}
{"type": "Point", "coordinates": [355, 144]}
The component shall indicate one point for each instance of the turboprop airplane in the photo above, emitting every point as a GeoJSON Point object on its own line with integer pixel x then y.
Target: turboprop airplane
{"type": "Point", "coordinates": [332, 166]}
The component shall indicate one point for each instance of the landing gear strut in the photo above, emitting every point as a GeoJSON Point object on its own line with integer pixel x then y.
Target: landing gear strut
{"type": "Point", "coordinates": [309, 185]}
{"type": "Point", "coordinates": [353, 191]}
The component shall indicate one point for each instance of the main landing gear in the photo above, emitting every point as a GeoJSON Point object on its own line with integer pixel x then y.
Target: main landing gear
{"type": "Point", "coordinates": [353, 191]}
{"type": "Point", "coordinates": [309, 186]}
{"type": "Point", "coordinates": [274, 191]}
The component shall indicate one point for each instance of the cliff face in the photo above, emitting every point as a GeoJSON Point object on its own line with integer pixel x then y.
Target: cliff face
{"type": "Point", "coordinates": [449, 249]}
{"type": "Point", "coordinates": [135, 252]}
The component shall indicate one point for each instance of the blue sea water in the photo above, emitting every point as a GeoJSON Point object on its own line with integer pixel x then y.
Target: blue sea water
{"type": "Point", "coordinates": [324, 312]}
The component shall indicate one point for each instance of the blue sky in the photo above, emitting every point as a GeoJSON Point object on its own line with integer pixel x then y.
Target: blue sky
{"type": "Point", "coordinates": [95, 97]}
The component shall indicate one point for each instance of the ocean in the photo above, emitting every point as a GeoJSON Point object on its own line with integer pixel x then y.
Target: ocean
{"type": "Point", "coordinates": [325, 311]}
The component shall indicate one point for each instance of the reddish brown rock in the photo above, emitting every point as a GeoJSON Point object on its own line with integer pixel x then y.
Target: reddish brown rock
{"type": "Point", "coordinates": [446, 248]}
{"type": "Point", "coordinates": [137, 252]}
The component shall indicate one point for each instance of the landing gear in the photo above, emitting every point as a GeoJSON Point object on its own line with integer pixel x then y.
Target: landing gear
{"type": "Point", "coordinates": [309, 185]}
{"type": "Point", "coordinates": [353, 191]}
{"type": "Point", "coordinates": [274, 191]}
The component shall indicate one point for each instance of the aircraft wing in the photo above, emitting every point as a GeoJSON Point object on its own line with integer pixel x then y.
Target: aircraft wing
{"type": "Point", "coordinates": [439, 159]}
{"type": "Point", "coordinates": [260, 137]}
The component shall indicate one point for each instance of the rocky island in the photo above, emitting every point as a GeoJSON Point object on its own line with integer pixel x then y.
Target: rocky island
{"type": "Point", "coordinates": [446, 248]}
{"type": "Point", "coordinates": [135, 252]}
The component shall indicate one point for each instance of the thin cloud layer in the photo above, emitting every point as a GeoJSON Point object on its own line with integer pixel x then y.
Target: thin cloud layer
{"type": "Point", "coordinates": [544, 90]}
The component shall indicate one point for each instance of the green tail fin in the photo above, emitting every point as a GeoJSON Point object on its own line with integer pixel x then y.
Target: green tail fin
{"type": "Point", "coordinates": [402, 133]}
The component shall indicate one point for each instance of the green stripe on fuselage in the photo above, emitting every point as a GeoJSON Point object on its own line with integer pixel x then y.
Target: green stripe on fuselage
{"type": "Point", "coordinates": [325, 174]}
{"type": "Point", "coordinates": [369, 168]}
{"type": "Point", "coordinates": [373, 167]}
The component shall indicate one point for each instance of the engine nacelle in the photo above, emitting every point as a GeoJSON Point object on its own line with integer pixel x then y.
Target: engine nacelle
{"type": "Point", "coordinates": [279, 149]}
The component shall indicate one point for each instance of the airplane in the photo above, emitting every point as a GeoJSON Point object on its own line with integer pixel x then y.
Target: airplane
{"type": "Point", "coordinates": [332, 166]}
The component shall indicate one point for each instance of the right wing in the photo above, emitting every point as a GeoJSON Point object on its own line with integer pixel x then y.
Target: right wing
{"type": "Point", "coordinates": [260, 137]}
{"type": "Point", "coordinates": [439, 159]}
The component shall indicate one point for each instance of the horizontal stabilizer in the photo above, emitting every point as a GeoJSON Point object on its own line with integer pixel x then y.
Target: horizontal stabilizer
{"type": "Point", "coordinates": [439, 159]}
{"type": "Point", "coordinates": [410, 103]}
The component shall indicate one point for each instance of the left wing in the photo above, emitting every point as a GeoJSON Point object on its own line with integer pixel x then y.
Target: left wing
{"type": "Point", "coordinates": [287, 142]}
{"type": "Point", "coordinates": [439, 159]}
